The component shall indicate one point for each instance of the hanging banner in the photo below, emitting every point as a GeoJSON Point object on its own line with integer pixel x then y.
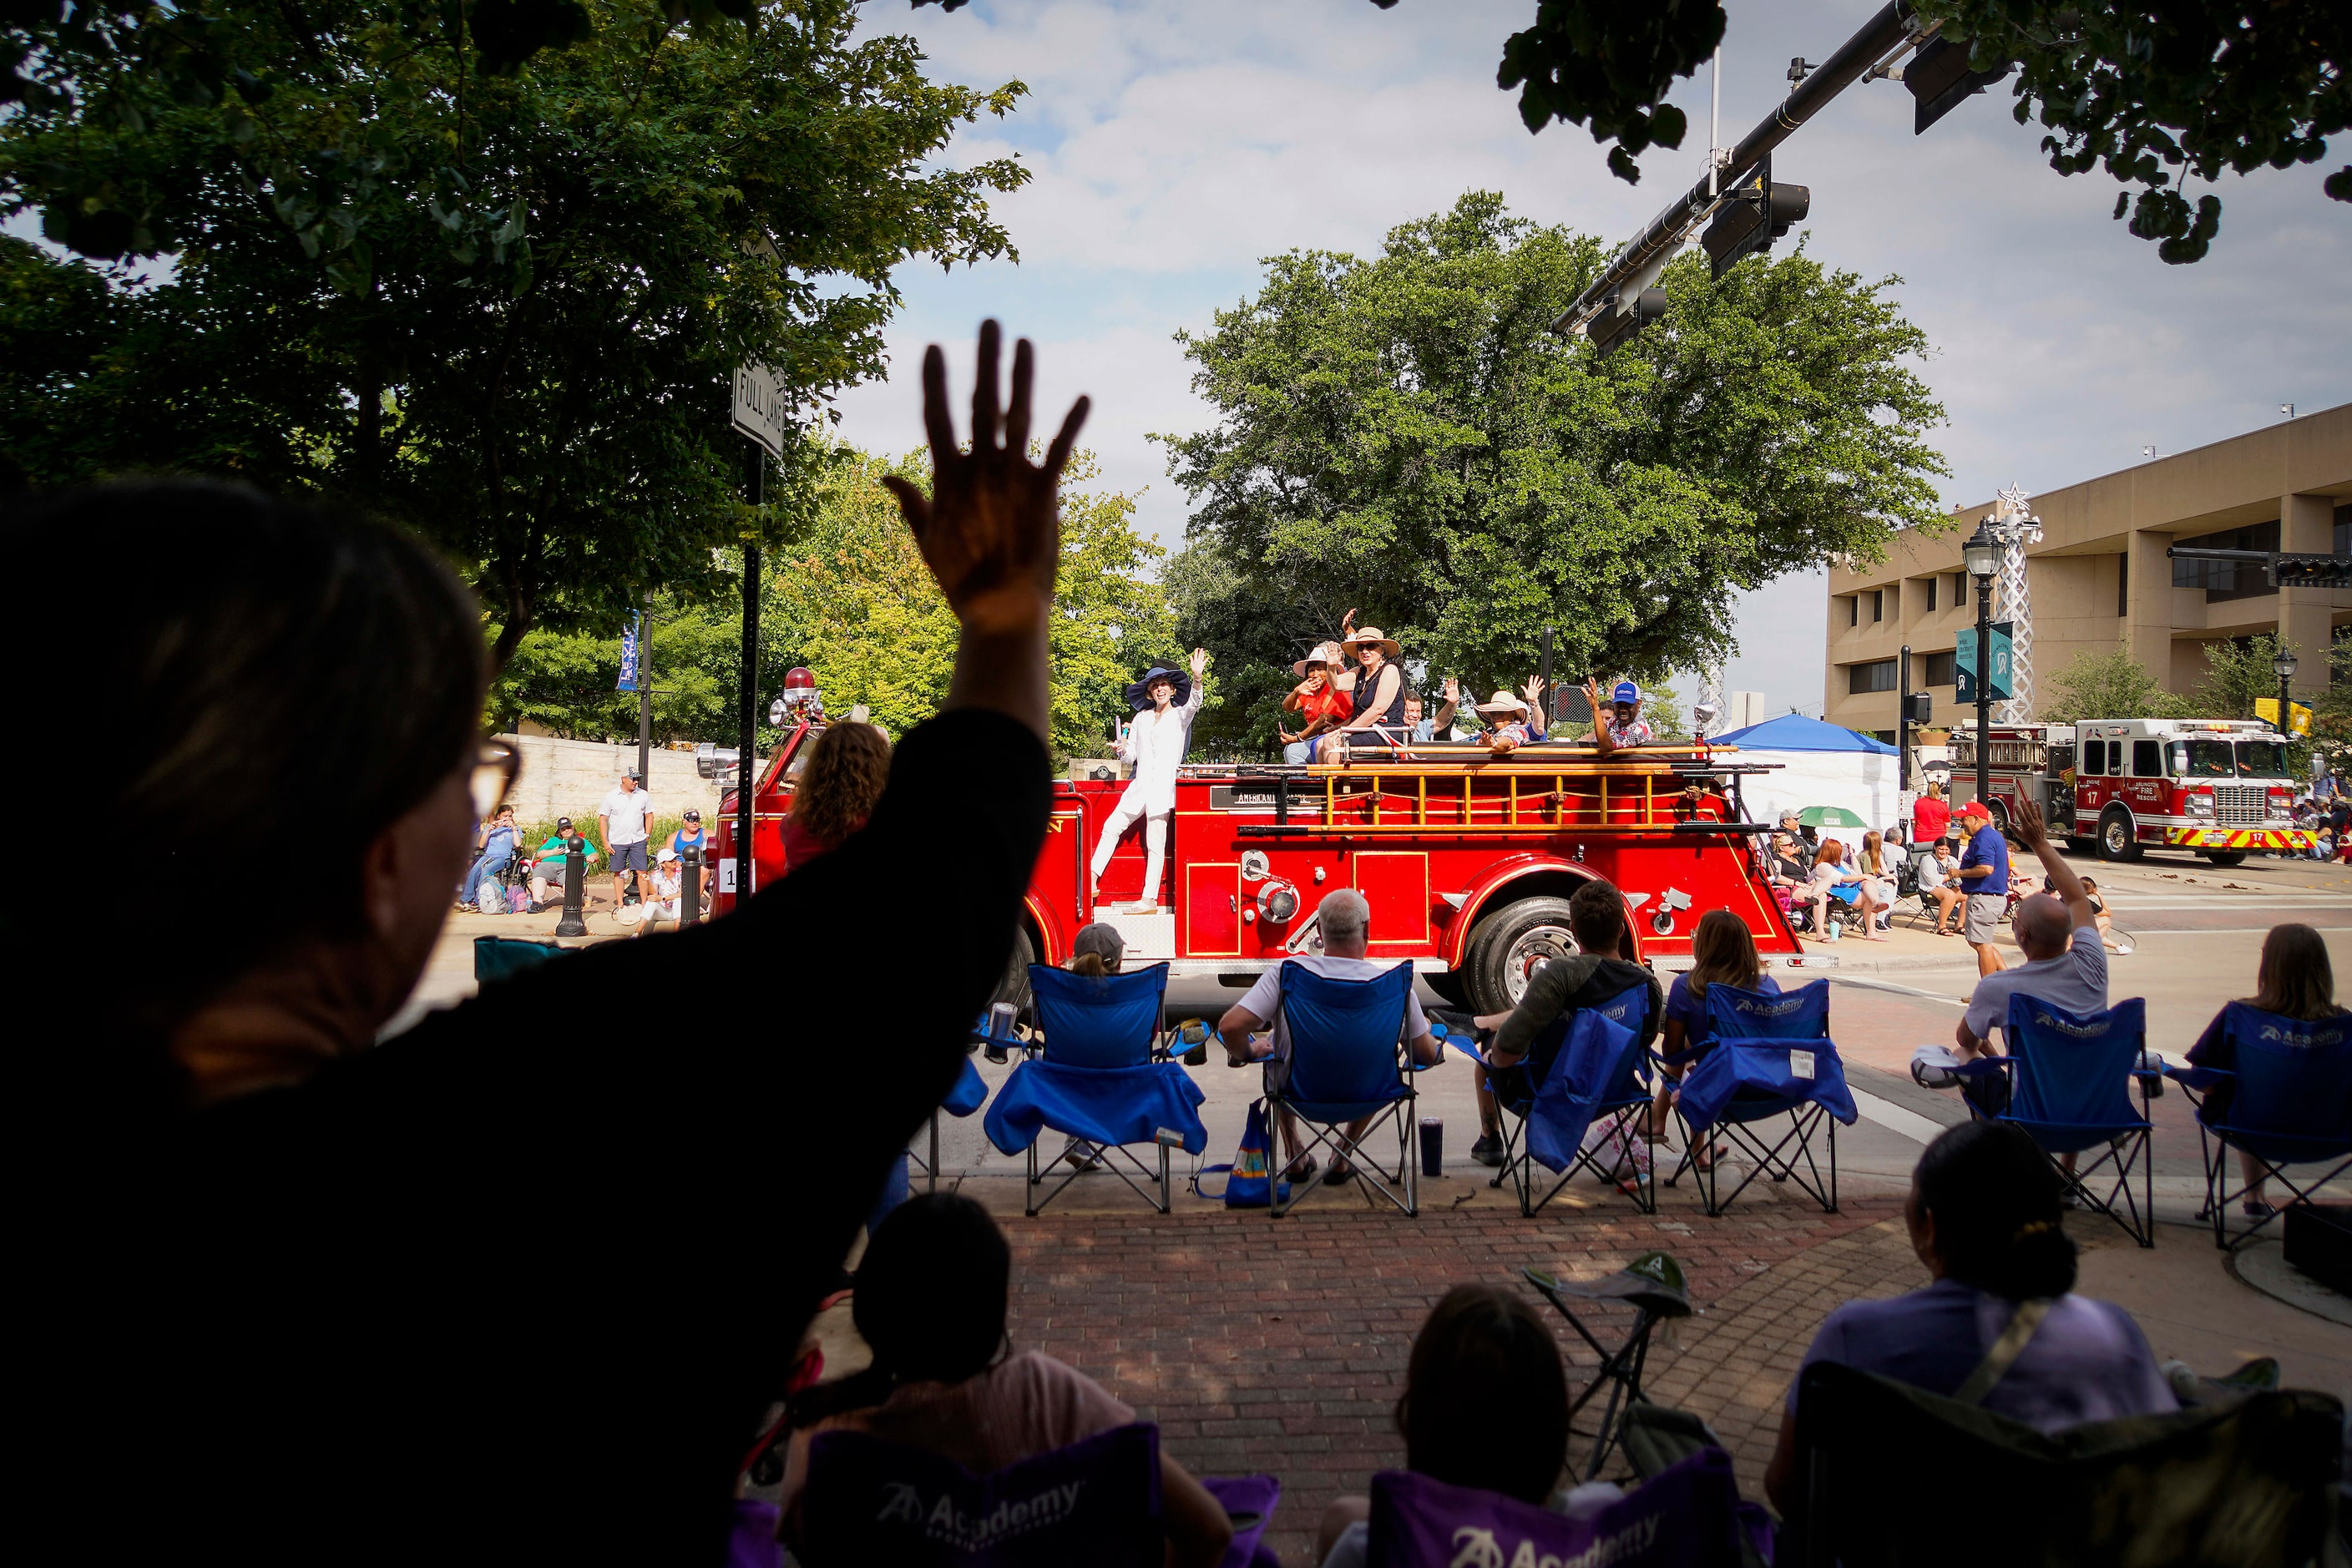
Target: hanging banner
{"type": "Point", "coordinates": [629, 655]}
{"type": "Point", "coordinates": [1964, 664]}
{"type": "Point", "coordinates": [2298, 716]}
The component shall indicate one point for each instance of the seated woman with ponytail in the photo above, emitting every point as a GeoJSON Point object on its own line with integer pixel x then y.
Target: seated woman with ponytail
{"type": "Point", "coordinates": [1984, 1217]}
{"type": "Point", "coordinates": [930, 1303]}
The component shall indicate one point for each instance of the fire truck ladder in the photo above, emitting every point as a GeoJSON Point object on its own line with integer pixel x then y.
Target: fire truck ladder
{"type": "Point", "coordinates": [1579, 795]}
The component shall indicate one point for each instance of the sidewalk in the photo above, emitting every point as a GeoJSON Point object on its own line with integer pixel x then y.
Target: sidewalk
{"type": "Point", "coordinates": [1280, 1346]}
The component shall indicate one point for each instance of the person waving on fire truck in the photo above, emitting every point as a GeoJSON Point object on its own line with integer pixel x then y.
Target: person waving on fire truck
{"type": "Point", "coordinates": [1619, 721]}
{"type": "Point", "coordinates": [1166, 704]}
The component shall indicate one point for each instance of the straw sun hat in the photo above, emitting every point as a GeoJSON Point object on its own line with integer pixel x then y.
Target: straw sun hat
{"type": "Point", "coordinates": [1371, 637]}
{"type": "Point", "coordinates": [1503, 703]}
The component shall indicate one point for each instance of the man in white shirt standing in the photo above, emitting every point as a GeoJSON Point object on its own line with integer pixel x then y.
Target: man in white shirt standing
{"type": "Point", "coordinates": [625, 821]}
{"type": "Point", "coordinates": [1155, 742]}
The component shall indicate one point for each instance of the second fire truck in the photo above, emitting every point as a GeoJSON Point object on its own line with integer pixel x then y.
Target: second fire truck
{"type": "Point", "coordinates": [2214, 787]}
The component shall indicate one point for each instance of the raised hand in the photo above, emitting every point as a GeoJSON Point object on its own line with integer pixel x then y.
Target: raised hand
{"type": "Point", "coordinates": [1347, 625]}
{"type": "Point", "coordinates": [1453, 690]}
{"type": "Point", "coordinates": [2029, 824]}
{"type": "Point", "coordinates": [990, 529]}
{"type": "Point", "coordinates": [1534, 691]}
{"type": "Point", "coordinates": [1200, 661]}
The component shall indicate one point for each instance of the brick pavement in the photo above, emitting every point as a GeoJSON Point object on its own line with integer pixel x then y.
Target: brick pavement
{"type": "Point", "coordinates": [1280, 1346]}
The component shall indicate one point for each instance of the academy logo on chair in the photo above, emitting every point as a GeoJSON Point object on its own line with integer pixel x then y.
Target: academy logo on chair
{"type": "Point", "coordinates": [1771, 1006]}
{"type": "Point", "coordinates": [942, 1521]}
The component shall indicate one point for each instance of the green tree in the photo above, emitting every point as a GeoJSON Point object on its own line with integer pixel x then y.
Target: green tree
{"type": "Point", "coordinates": [504, 308]}
{"type": "Point", "coordinates": [1404, 436]}
{"type": "Point", "coordinates": [563, 681]}
{"type": "Point", "coordinates": [2110, 685]}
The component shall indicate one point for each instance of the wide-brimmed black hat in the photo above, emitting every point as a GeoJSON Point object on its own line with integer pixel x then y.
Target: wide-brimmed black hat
{"type": "Point", "coordinates": [1139, 695]}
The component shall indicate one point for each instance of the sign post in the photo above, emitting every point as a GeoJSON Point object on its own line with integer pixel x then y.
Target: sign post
{"type": "Point", "coordinates": [758, 413]}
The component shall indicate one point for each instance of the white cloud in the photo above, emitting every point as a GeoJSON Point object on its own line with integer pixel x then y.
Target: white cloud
{"type": "Point", "coordinates": [1174, 146]}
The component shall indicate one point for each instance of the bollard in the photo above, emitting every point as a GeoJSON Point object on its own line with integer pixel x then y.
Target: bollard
{"type": "Point", "coordinates": [690, 893]}
{"type": "Point", "coordinates": [575, 870]}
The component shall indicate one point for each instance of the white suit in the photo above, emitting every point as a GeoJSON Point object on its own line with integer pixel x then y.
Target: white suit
{"type": "Point", "coordinates": [1155, 742]}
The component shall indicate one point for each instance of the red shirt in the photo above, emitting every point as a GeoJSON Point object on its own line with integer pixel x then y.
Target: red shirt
{"type": "Point", "coordinates": [1929, 819]}
{"type": "Point", "coordinates": [1326, 702]}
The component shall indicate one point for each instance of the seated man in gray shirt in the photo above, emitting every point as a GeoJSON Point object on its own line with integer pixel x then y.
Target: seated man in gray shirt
{"type": "Point", "coordinates": [2066, 962]}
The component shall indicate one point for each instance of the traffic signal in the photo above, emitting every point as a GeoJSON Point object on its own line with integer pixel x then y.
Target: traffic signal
{"type": "Point", "coordinates": [1754, 214]}
{"type": "Point", "coordinates": [2293, 571]}
{"type": "Point", "coordinates": [1938, 75]}
{"type": "Point", "coordinates": [1916, 707]}
{"type": "Point", "coordinates": [1612, 327]}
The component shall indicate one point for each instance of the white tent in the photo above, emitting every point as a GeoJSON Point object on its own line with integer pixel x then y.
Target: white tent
{"type": "Point", "coordinates": [1816, 764]}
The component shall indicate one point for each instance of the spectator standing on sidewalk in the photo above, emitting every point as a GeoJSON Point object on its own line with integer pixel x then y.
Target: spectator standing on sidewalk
{"type": "Point", "coordinates": [1984, 872]}
{"type": "Point", "coordinates": [1931, 814]}
{"type": "Point", "coordinates": [624, 822]}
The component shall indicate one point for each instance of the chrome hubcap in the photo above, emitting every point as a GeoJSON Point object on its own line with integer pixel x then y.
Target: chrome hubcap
{"type": "Point", "coordinates": [1531, 951]}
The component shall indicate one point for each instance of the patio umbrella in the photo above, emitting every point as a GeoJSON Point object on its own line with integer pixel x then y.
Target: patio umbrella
{"type": "Point", "coordinates": [1829, 816]}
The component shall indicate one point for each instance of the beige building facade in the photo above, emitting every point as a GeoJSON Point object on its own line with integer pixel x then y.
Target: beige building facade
{"type": "Point", "coordinates": [2100, 578]}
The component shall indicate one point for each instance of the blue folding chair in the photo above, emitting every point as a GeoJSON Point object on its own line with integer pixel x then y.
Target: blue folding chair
{"type": "Point", "coordinates": [2290, 1103]}
{"type": "Point", "coordinates": [1772, 1057]}
{"type": "Point", "coordinates": [971, 1089]}
{"type": "Point", "coordinates": [2070, 1080]}
{"type": "Point", "coordinates": [1349, 1060]}
{"type": "Point", "coordinates": [1096, 1072]}
{"type": "Point", "coordinates": [1573, 1077]}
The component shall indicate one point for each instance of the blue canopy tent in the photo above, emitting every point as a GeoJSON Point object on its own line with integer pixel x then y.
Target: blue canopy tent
{"type": "Point", "coordinates": [1818, 765]}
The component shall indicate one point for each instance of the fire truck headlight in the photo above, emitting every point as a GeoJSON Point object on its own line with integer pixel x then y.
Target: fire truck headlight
{"type": "Point", "coordinates": [1277, 901]}
{"type": "Point", "coordinates": [2200, 805]}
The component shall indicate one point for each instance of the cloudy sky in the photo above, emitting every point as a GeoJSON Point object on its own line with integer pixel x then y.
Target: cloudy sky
{"type": "Point", "coordinates": [1175, 145]}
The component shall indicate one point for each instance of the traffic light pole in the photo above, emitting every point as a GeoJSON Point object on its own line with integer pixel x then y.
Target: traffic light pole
{"type": "Point", "coordinates": [1855, 58]}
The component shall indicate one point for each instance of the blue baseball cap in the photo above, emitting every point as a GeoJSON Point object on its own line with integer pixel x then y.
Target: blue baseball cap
{"type": "Point", "coordinates": [1626, 692]}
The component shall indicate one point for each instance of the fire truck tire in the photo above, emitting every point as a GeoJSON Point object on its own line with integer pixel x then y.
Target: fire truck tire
{"type": "Point", "coordinates": [2226, 856]}
{"type": "Point", "coordinates": [1452, 987]}
{"type": "Point", "coordinates": [2117, 839]}
{"type": "Point", "coordinates": [1509, 943]}
{"type": "Point", "coordinates": [1014, 986]}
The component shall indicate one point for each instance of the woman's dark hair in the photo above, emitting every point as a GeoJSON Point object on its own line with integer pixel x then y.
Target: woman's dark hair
{"type": "Point", "coordinates": [252, 653]}
{"type": "Point", "coordinates": [1486, 1400]}
{"type": "Point", "coordinates": [2296, 980]}
{"type": "Point", "coordinates": [847, 769]}
{"type": "Point", "coordinates": [1995, 1199]}
{"type": "Point", "coordinates": [932, 1294]}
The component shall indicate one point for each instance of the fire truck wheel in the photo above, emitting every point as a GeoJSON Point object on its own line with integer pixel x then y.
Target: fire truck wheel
{"type": "Point", "coordinates": [1014, 986]}
{"type": "Point", "coordinates": [2117, 838]}
{"type": "Point", "coordinates": [1510, 944]}
{"type": "Point", "coordinates": [2226, 856]}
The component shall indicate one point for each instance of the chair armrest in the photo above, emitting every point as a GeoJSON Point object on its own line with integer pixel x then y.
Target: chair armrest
{"type": "Point", "coordinates": [2199, 1079]}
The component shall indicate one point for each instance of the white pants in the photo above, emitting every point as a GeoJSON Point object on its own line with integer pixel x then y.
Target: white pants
{"type": "Point", "coordinates": [1155, 842]}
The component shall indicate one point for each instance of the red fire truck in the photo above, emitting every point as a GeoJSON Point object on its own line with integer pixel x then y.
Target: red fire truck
{"type": "Point", "coordinates": [1467, 861]}
{"type": "Point", "coordinates": [2218, 787]}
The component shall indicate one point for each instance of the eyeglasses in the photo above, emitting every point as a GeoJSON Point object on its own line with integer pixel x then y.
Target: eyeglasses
{"type": "Point", "coordinates": [496, 766]}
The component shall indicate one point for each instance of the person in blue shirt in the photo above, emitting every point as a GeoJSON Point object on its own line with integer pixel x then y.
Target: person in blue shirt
{"type": "Point", "coordinates": [1984, 872]}
{"type": "Point", "coordinates": [496, 849]}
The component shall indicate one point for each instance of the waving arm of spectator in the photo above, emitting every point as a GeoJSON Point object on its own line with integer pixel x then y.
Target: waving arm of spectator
{"type": "Point", "coordinates": [2063, 883]}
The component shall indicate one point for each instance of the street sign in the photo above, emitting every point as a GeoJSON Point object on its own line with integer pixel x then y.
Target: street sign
{"type": "Point", "coordinates": [1964, 664]}
{"type": "Point", "coordinates": [629, 656]}
{"type": "Point", "coordinates": [2299, 717]}
{"type": "Point", "coordinates": [760, 408]}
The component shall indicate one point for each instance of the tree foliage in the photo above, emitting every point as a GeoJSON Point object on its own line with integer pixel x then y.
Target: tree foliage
{"type": "Point", "coordinates": [1403, 434]}
{"type": "Point", "coordinates": [504, 306]}
{"type": "Point", "coordinates": [2111, 685]}
{"type": "Point", "coordinates": [852, 600]}
{"type": "Point", "coordinates": [2157, 93]}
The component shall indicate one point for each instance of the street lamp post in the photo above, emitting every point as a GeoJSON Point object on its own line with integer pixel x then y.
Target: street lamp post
{"type": "Point", "coordinates": [2282, 664]}
{"type": "Point", "coordinates": [1982, 555]}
